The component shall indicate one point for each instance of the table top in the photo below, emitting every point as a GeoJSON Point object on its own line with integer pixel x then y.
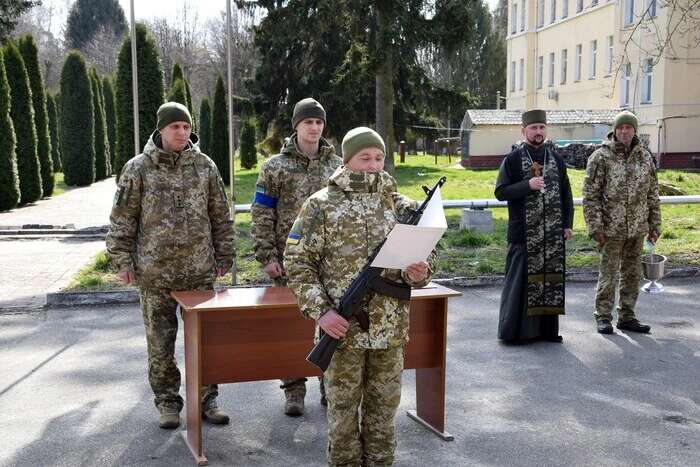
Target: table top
{"type": "Point", "coordinates": [272, 297]}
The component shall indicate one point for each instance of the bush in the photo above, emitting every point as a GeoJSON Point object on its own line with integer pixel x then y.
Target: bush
{"type": "Point", "coordinates": [467, 238]}
{"type": "Point", "coordinates": [30, 54]}
{"type": "Point", "coordinates": [249, 156]}
{"type": "Point", "coordinates": [9, 180]}
{"type": "Point", "coordinates": [22, 114]}
{"type": "Point", "coordinates": [219, 131]}
{"type": "Point", "coordinates": [77, 126]}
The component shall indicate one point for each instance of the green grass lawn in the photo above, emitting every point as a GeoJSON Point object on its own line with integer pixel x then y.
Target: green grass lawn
{"type": "Point", "coordinates": [463, 253]}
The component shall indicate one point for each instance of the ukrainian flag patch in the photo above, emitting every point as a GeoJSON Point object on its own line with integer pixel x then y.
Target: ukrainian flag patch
{"type": "Point", "coordinates": [293, 239]}
{"type": "Point", "coordinates": [263, 199]}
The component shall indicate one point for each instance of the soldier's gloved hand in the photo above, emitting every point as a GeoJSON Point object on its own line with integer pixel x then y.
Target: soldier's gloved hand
{"type": "Point", "coordinates": [333, 324]}
{"type": "Point", "coordinates": [127, 276]}
{"type": "Point", "coordinates": [653, 236]}
{"type": "Point", "coordinates": [536, 183]}
{"type": "Point", "coordinates": [417, 272]}
{"type": "Point", "coordinates": [273, 269]}
{"type": "Point", "coordinates": [600, 238]}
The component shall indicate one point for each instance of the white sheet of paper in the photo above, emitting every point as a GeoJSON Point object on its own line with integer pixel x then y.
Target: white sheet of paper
{"type": "Point", "coordinates": [408, 244]}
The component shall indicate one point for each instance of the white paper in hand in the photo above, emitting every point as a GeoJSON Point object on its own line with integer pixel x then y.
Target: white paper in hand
{"type": "Point", "coordinates": [408, 244]}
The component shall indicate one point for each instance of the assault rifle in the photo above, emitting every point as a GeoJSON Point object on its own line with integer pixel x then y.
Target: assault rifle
{"type": "Point", "coordinates": [367, 282]}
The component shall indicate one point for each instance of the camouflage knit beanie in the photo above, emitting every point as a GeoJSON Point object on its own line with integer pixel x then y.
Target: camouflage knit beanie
{"type": "Point", "coordinates": [172, 112]}
{"type": "Point", "coordinates": [361, 138]}
{"type": "Point", "coordinates": [626, 117]}
{"type": "Point", "coordinates": [307, 108]}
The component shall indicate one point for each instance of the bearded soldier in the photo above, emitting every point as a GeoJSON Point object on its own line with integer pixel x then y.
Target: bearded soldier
{"type": "Point", "coordinates": [533, 179]}
{"type": "Point", "coordinates": [284, 183]}
{"type": "Point", "coordinates": [170, 230]}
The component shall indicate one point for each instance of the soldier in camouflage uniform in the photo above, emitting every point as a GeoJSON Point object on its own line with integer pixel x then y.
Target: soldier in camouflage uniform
{"type": "Point", "coordinates": [170, 230]}
{"type": "Point", "coordinates": [621, 207]}
{"type": "Point", "coordinates": [336, 231]}
{"type": "Point", "coordinates": [285, 182]}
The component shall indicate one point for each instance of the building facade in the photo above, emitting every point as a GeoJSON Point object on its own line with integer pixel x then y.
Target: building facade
{"type": "Point", "coordinates": [610, 54]}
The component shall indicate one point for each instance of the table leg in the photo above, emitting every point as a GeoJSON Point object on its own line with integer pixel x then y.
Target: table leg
{"type": "Point", "coordinates": [193, 386]}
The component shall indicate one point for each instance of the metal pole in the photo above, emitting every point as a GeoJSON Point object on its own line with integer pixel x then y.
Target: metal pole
{"type": "Point", "coordinates": [135, 83]}
{"type": "Point", "coordinates": [498, 100]}
{"type": "Point", "coordinates": [231, 148]}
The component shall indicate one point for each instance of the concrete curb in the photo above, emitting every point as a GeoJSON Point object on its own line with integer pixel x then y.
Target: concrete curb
{"type": "Point", "coordinates": [131, 295]}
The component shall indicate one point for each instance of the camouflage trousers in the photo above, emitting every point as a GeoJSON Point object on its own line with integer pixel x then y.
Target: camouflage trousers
{"type": "Point", "coordinates": [160, 319]}
{"type": "Point", "coordinates": [363, 387]}
{"type": "Point", "coordinates": [620, 268]}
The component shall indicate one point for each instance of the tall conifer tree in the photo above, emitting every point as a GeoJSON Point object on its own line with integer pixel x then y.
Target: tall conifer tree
{"type": "Point", "coordinates": [219, 147]}
{"type": "Point", "coordinates": [102, 168]}
{"type": "Point", "coordinates": [52, 114]}
{"type": "Point", "coordinates": [204, 132]}
{"type": "Point", "coordinates": [110, 116]}
{"type": "Point", "coordinates": [9, 180]}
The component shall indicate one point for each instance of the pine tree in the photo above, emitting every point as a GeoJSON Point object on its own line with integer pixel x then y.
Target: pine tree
{"type": "Point", "coordinates": [76, 130]}
{"type": "Point", "coordinates": [204, 126]}
{"type": "Point", "coordinates": [30, 54]}
{"type": "Point", "coordinates": [177, 93]}
{"type": "Point", "coordinates": [52, 114]}
{"type": "Point", "coordinates": [219, 147]}
{"type": "Point", "coordinates": [150, 80]}
{"type": "Point", "coordinates": [102, 168]}
{"type": "Point", "coordinates": [110, 116]}
{"type": "Point", "coordinates": [249, 157]}
{"type": "Point", "coordinates": [22, 113]}
{"type": "Point", "coordinates": [87, 17]}
{"type": "Point", "coordinates": [9, 180]}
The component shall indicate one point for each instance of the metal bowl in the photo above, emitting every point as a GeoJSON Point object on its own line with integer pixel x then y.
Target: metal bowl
{"type": "Point", "coordinates": [653, 266]}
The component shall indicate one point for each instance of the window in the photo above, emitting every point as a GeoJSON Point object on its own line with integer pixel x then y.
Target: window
{"type": "Point", "coordinates": [650, 8]}
{"type": "Point", "coordinates": [647, 66]}
{"type": "Point", "coordinates": [551, 69]}
{"type": "Point", "coordinates": [553, 12]}
{"type": "Point", "coordinates": [579, 6]}
{"type": "Point", "coordinates": [594, 60]}
{"type": "Point", "coordinates": [594, 3]}
{"type": "Point", "coordinates": [626, 82]}
{"type": "Point", "coordinates": [512, 76]}
{"type": "Point", "coordinates": [540, 13]}
{"type": "Point", "coordinates": [522, 14]}
{"type": "Point", "coordinates": [609, 56]}
{"type": "Point", "coordinates": [540, 71]}
{"type": "Point", "coordinates": [564, 8]}
{"type": "Point", "coordinates": [563, 66]}
{"type": "Point", "coordinates": [514, 18]}
{"type": "Point", "coordinates": [629, 12]}
{"type": "Point", "coordinates": [522, 74]}
{"type": "Point", "coordinates": [577, 63]}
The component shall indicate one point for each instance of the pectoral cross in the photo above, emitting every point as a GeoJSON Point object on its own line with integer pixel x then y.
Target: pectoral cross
{"type": "Point", "coordinates": [536, 169]}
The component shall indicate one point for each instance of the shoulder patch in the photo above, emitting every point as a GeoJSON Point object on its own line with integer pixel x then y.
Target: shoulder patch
{"type": "Point", "coordinates": [295, 233]}
{"type": "Point", "coordinates": [262, 198]}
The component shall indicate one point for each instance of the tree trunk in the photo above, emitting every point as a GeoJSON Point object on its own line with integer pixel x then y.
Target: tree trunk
{"type": "Point", "coordinates": [384, 83]}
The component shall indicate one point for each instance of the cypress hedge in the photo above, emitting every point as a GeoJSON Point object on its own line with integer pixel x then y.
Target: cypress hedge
{"type": "Point", "coordinates": [150, 80]}
{"type": "Point", "coordinates": [22, 113]}
{"type": "Point", "coordinates": [204, 126]}
{"type": "Point", "coordinates": [219, 147]}
{"type": "Point", "coordinates": [77, 126]}
{"type": "Point", "coordinates": [102, 168]}
{"type": "Point", "coordinates": [178, 74]}
{"type": "Point", "coordinates": [177, 93]}
{"type": "Point", "coordinates": [52, 114]}
{"type": "Point", "coordinates": [30, 54]}
{"type": "Point", "coordinates": [249, 157]}
{"type": "Point", "coordinates": [110, 116]}
{"type": "Point", "coordinates": [9, 179]}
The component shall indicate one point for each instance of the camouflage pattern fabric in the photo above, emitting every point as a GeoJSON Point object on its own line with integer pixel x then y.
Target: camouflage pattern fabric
{"type": "Point", "coordinates": [621, 191]}
{"type": "Point", "coordinates": [170, 220]}
{"type": "Point", "coordinates": [620, 263]}
{"type": "Point", "coordinates": [544, 238]}
{"type": "Point", "coordinates": [364, 390]}
{"type": "Point", "coordinates": [160, 321]}
{"type": "Point", "coordinates": [337, 229]}
{"type": "Point", "coordinates": [284, 183]}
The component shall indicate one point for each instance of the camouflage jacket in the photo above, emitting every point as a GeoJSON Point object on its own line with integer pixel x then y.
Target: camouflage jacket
{"type": "Point", "coordinates": [338, 228]}
{"type": "Point", "coordinates": [170, 220]}
{"type": "Point", "coordinates": [284, 183]}
{"type": "Point", "coordinates": [621, 191]}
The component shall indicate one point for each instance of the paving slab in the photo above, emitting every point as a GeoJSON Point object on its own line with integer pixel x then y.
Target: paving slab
{"type": "Point", "coordinates": [74, 392]}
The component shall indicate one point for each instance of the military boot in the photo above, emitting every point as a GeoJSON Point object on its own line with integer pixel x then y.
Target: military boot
{"type": "Point", "coordinates": [604, 326]}
{"type": "Point", "coordinates": [634, 325]}
{"type": "Point", "coordinates": [213, 414]}
{"type": "Point", "coordinates": [294, 404]}
{"type": "Point", "coordinates": [169, 419]}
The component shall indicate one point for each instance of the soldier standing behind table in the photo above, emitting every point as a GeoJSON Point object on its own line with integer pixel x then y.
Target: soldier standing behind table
{"type": "Point", "coordinates": [170, 230]}
{"type": "Point", "coordinates": [336, 231]}
{"type": "Point", "coordinates": [285, 181]}
{"type": "Point", "coordinates": [621, 207]}
{"type": "Point", "coordinates": [533, 179]}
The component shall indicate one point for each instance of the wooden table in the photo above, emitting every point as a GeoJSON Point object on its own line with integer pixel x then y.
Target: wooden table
{"type": "Point", "coordinates": [253, 334]}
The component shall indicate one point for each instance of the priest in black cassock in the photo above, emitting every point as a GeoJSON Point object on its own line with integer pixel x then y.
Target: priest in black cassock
{"type": "Point", "coordinates": [533, 179]}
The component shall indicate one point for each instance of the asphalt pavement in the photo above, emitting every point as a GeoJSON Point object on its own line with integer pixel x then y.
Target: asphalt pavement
{"type": "Point", "coordinates": [74, 392]}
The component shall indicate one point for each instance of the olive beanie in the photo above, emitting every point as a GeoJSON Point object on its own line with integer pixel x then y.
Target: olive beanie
{"type": "Point", "coordinates": [172, 112]}
{"type": "Point", "coordinates": [626, 117]}
{"type": "Point", "coordinates": [307, 108]}
{"type": "Point", "coordinates": [358, 139]}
